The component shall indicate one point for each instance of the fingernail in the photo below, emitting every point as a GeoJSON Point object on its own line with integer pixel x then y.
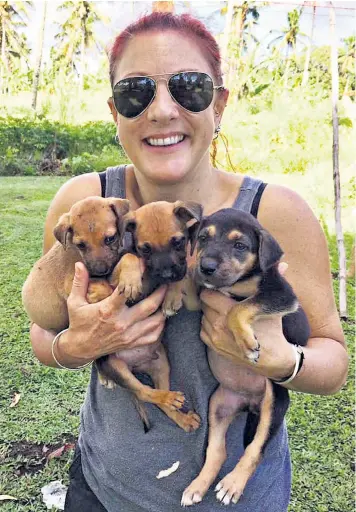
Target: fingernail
{"type": "Point", "coordinates": [77, 269]}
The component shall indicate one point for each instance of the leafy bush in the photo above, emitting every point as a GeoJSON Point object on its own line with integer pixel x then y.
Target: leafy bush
{"type": "Point", "coordinates": [39, 146]}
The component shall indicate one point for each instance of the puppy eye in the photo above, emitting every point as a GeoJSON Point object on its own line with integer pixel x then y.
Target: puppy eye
{"type": "Point", "coordinates": [240, 246]}
{"type": "Point", "coordinates": [178, 243]}
{"type": "Point", "coordinates": [203, 237]}
{"type": "Point", "coordinates": [145, 249]}
{"type": "Point", "coordinates": [108, 240]}
{"type": "Point", "coordinates": [81, 245]}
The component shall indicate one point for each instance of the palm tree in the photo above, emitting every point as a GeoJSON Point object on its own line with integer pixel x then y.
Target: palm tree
{"type": "Point", "coordinates": [13, 43]}
{"type": "Point", "coordinates": [307, 57]}
{"type": "Point", "coordinates": [39, 52]}
{"type": "Point", "coordinates": [288, 38]}
{"type": "Point", "coordinates": [336, 173]}
{"type": "Point", "coordinates": [76, 35]}
{"type": "Point", "coordinates": [348, 62]}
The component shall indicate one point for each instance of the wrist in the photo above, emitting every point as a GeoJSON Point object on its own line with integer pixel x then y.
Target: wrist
{"type": "Point", "coordinates": [63, 353]}
{"type": "Point", "coordinates": [298, 358]}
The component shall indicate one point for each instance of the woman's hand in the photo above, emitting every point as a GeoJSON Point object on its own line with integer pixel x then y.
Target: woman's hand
{"type": "Point", "coordinates": [107, 326]}
{"type": "Point", "coordinates": [277, 358]}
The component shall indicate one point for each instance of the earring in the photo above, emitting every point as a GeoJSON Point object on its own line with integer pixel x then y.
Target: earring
{"type": "Point", "coordinates": [117, 140]}
{"type": "Point", "coordinates": [216, 132]}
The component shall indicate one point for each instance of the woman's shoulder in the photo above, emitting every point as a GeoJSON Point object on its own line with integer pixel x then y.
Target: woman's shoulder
{"type": "Point", "coordinates": [71, 191]}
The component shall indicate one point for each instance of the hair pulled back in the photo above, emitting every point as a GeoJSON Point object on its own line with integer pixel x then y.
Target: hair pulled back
{"type": "Point", "coordinates": [184, 24]}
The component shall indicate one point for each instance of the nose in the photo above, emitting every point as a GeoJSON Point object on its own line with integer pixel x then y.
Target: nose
{"type": "Point", "coordinates": [208, 265]}
{"type": "Point", "coordinates": [163, 108]}
{"type": "Point", "coordinates": [167, 273]}
{"type": "Point", "coordinates": [99, 268]}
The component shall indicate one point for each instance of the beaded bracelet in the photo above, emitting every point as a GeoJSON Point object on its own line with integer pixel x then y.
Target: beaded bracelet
{"type": "Point", "coordinates": [56, 338]}
{"type": "Point", "coordinates": [299, 358]}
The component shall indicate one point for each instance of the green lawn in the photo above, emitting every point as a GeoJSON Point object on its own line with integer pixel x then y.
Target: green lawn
{"type": "Point", "coordinates": [321, 428]}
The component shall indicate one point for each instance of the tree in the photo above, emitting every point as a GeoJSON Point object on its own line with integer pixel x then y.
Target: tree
{"type": "Point", "coordinates": [39, 52]}
{"type": "Point", "coordinates": [288, 38]}
{"type": "Point", "coordinates": [75, 36]}
{"type": "Point", "coordinates": [307, 58]}
{"type": "Point", "coordinates": [347, 62]}
{"type": "Point", "coordinates": [13, 42]}
{"type": "Point", "coordinates": [336, 173]}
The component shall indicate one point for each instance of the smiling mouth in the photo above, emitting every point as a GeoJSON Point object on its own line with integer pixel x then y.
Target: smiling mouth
{"type": "Point", "coordinates": [167, 141]}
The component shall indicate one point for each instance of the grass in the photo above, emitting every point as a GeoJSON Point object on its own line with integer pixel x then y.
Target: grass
{"type": "Point", "coordinates": [321, 428]}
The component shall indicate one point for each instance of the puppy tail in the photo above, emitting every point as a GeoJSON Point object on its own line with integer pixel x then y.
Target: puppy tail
{"type": "Point", "coordinates": [142, 413]}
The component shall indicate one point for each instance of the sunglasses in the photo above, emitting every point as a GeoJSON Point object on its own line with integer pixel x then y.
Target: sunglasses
{"type": "Point", "coordinates": [192, 90]}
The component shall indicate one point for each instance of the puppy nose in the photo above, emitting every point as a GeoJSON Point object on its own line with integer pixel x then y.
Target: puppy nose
{"type": "Point", "coordinates": [99, 269]}
{"type": "Point", "coordinates": [166, 273]}
{"type": "Point", "coordinates": [208, 266]}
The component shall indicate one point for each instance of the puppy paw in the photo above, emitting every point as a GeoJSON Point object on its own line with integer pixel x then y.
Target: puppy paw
{"type": "Point", "coordinates": [229, 490]}
{"type": "Point", "coordinates": [195, 492]}
{"type": "Point", "coordinates": [104, 381]}
{"type": "Point", "coordinates": [98, 290]}
{"type": "Point", "coordinates": [172, 303]}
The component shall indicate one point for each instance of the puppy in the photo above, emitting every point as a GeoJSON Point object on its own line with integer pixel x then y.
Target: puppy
{"type": "Point", "coordinates": [159, 238]}
{"type": "Point", "coordinates": [236, 256]}
{"type": "Point", "coordinates": [90, 233]}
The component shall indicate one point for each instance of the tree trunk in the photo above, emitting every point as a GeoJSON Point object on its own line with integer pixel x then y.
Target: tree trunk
{"type": "Point", "coordinates": [307, 57]}
{"type": "Point", "coordinates": [3, 56]}
{"type": "Point", "coordinates": [36, 80]}
{"type": "Point", "coordinates": [286, 71]}
{"type": "Point", "coordinates": [82, 64]}
{"type": "Point", "coordinates": [226, 37]}
{"type": "Point", "coordinates": [336, 174]}
{"type": "Point", "coordinates": [162, 6]}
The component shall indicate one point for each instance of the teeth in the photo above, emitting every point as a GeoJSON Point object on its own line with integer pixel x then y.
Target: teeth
{"type": "Point", "coordinates": [165, 142]}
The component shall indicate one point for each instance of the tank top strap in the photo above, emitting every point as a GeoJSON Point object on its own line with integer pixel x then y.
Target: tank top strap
{"type": "Point", "coordinates": [249, 196]}
{"type": "Point", "coordinates": [113, 183]}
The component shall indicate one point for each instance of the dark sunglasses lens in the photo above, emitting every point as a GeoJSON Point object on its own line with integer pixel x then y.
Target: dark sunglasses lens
{"type": "Point", "coordinates": [193, 91]}
{"type": "Point", "coordinates": [132, 95]}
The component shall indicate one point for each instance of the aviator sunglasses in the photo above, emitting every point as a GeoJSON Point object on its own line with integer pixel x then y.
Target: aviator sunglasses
{"type": "Point", "coordinates": [192, 90]}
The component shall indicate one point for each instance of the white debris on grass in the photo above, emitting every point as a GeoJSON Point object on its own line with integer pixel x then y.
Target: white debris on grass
{"type": "Point", "coordinates": [169, 471]}
{"type": "Point", "coordinates": [54, 495]}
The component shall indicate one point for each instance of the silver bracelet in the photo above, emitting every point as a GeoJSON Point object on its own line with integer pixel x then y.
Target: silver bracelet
{"type": "Point", "coordinates": [299, 358]}
{"type": "Point", "coordinates": [56, 338]}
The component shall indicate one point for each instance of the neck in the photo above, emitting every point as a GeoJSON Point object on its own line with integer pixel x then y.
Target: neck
{"type": "Point", "coordinates": [196, 187]}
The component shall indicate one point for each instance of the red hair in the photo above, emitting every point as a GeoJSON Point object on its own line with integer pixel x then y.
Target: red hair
{"type": "Point", "coordinates": [159, 21]}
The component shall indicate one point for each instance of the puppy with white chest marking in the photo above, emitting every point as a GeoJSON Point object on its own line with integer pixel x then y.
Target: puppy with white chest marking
{"type": "Point", "coordinates": [236, 256]}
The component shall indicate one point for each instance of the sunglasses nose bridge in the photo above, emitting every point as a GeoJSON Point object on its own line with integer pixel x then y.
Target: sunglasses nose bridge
{"type": "Point", "coordinates": [163, 104]}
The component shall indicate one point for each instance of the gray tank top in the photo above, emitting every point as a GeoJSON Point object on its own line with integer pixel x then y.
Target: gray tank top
{"type": "Point", "coordinates": [121, 461]}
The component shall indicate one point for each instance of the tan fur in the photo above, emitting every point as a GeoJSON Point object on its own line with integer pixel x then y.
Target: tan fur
{"type": "Point", "coordinates": [234, 235]}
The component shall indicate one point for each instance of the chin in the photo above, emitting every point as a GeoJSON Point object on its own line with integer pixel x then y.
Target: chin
{"type": "Point", "coordinates": [166, 173]}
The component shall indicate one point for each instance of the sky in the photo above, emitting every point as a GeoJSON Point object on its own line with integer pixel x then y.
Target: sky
{"type": "Point", "coordinates": [272, 17]}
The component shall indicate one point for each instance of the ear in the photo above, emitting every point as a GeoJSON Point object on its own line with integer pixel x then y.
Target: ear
{"type": "Point", "coordinates": [186, 211]}
{"type": "Point", "coordinates": [63, 230]}
{"type": "Point", "coordinates": [119, 206]}
{"type": "Point", "coordinates": [113, 109]}
{"type": "Point", "coordinates": [128, 224]}
{"type": "Point", "coordinates": [269, 251]}
{"type": "Point", "coordinates": [193, 233]}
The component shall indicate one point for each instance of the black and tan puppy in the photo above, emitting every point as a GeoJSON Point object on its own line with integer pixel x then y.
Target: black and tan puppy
{"type": "Point", "coordinates": [236, 256]}
{"type": "Point", "coordinates": [160, 238]}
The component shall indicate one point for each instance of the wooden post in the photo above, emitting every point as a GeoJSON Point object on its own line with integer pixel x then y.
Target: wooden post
{"type": "Point", "coordinates": [336, 174]}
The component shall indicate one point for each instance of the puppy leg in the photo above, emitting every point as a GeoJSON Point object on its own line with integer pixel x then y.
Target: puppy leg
{"type": "Point", "coordinates": [191, 298]}
{"type": "Point", "coordinates": [173, 299]}
{"type": "Point", "coordinates": [224, 405]}
{"type": "Point", "coordinates": [127, 277]}
{"type": "Point", "coordinates": [159, 371]}
{"type": "Point", "coordinates": [239, 321]}
{"type": "Point", "coordinates": [232, 486]}
{"type": "Point", "coordinates": [171, 399]}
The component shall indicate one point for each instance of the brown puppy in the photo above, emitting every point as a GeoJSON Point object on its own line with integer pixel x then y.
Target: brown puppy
{"type": "Point", "coordinates": [160, 237]}
{"type": "Point", "coordinates": [236, 256]}
{"type": "Point", "coordinates": [89, 232]}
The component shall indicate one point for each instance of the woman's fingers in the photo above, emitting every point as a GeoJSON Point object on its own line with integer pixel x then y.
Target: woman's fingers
{"type": "Point", "coordinates": [149, 328]}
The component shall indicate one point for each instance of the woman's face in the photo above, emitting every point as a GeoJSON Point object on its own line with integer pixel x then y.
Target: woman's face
{"type": "Point", "coordinates": [156, 53]}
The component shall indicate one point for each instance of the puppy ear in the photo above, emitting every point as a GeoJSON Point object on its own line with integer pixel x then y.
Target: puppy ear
{"type": "Point", "coordinates": [127, 224]}
{"type": "Point", "coordinates": [63, 230]}
{"type": "Point", "coordinates": [119, 206]}
{"type": "Point", "coordinates": [186, 211]}
{"type": "Point", "coordinates": [269, 251]}
{"type": "Point", "coordinates": [193, 233]}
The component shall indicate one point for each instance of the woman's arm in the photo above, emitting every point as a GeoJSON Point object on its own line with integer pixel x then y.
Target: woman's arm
{"type": "Point", "coordinates": [289, 219]}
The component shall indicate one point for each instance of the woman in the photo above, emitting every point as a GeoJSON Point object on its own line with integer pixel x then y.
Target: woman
{"type": "Point", "coordinates": [166, 124]}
